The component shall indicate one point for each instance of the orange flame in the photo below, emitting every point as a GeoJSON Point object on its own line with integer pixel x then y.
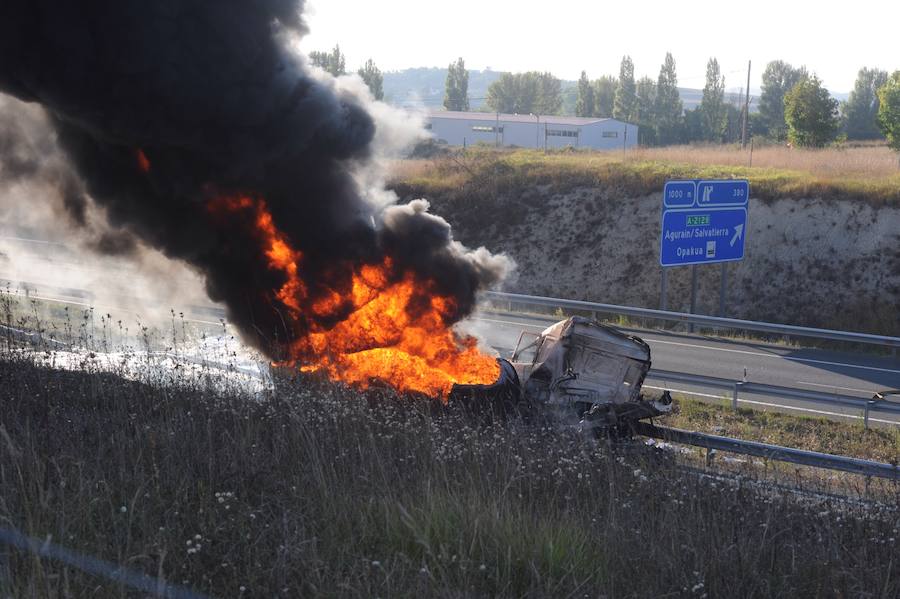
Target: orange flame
{"type": "Point", "coordinates": [142, 161]}
{"type": "Point", "coordinates": [390, 326]}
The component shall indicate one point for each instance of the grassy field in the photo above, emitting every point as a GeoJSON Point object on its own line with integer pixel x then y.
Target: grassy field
{"type": "Point", "coordinates": [315, 489]}
{"type": "Point", "coordinates": [867, 173]}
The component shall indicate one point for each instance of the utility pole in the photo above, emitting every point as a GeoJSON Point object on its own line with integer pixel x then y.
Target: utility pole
{"type": "Point", "coordinates": [746, 110]}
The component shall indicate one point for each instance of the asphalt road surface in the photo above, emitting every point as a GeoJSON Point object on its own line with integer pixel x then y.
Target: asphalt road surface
{"type": "Point", "coordinates": [854, 375]}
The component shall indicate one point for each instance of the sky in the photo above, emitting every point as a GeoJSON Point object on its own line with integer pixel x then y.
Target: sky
{"type": "Point", "coordinates": [566, 37]}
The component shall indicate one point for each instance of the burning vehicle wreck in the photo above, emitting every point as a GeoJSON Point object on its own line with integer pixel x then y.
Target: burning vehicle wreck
{"type": "Point", "coordinates": [577, 371]}
{"type": "Point", "coordinates": [233, 155]}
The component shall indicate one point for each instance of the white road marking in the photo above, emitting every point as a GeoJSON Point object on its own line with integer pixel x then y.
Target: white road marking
{"type": "Point", "coordinates": [773, 405]}
{"type": "Point", "coordinates": [697, 393]}
{"type": "Point", "coordinates": [775, 356]}
{"type": "Point", "coordinates": [518, 324]}
{"type": "Point", "coordinates": [836, 387]}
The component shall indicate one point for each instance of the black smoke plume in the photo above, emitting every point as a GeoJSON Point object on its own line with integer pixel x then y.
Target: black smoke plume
{"type": "Point", "coordinates": [163, 105]}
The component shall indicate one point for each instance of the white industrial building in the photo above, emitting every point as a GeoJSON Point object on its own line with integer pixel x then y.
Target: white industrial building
{"type": "Point", "coordinates": [530, 131]}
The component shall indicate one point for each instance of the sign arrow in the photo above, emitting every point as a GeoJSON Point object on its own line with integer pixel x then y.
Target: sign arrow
{"type": "Point", "coordinates": [738, 233]}
{"type": "Point", "coordinates": [706, 191]}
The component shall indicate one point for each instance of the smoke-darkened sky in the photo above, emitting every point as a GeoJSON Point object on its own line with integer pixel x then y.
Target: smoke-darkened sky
{"type": "Point", "coordinates": [164, 108]}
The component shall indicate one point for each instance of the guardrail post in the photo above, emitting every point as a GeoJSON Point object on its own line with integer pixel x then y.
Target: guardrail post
{"type": "Point", "coordinates": [734, 397]}
{"type": "Point", "coordinates": [693, 296]}
{"type": "Point", "coordinates": [663, 289]}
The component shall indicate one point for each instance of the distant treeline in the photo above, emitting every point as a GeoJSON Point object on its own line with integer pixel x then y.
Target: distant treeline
{"type": "Point", "coordinates": [794, 107]}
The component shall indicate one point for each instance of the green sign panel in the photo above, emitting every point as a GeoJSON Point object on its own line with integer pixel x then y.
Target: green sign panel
{"type": "Point", "coordinates": [697, 220]}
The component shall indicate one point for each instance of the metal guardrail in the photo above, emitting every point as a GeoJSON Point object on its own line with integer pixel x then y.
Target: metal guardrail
{"type": "Point", "coordinates": [698, 319]}
{"type": "Point", "coordinates": [736, 387]}
{"type": "Point", "coordinates": [771, 452]}
{"type": "Point", "coordinates": [91, 565]}
{"type": "Point", "coordinates": [552, 302]}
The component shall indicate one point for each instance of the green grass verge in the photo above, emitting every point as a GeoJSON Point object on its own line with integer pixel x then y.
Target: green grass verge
{"type": "Point", "coordinates": [805, 432]}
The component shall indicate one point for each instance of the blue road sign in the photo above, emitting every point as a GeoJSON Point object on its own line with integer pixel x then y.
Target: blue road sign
{"type": "Point", "coordinates": [710, 228]}
{"type": "Point", "coordinates": [679, 194]}
{"type": "Point", "coordinates": [723, 193]}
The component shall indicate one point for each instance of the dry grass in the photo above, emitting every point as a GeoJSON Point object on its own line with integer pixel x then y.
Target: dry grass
{"type": "Point", "coordinates": [880, 444]}
{"type": "Point", "coordinates": [319, 490]}
{"type": "Point", "coordinates": [869, 161]}
{"type": "Point", "coordinates": [866, 173]}
{"type": "Point", "coordinates": [313, 489]}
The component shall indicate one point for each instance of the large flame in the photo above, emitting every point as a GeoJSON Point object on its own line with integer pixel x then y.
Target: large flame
{"type": "Point", "coordinates": [387, 325]}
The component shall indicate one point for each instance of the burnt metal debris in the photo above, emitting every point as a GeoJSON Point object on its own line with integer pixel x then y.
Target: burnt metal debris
{"type": "Point", "coordinates": [577, 371]}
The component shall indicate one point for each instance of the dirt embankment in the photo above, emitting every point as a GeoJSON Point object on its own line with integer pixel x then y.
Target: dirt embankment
{"type": "Point", "coordinates": [826, 263]}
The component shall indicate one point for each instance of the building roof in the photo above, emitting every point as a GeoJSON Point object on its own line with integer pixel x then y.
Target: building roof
{"type": "Point", "coordinates": [516, 118]}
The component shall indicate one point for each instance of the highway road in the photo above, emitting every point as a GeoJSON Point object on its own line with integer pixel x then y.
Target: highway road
{"type": "Point", "coordinates": [856, 375]}
{"type": "Point", "coordinates": [848, 374]}
{"type": "Point", "coordinates": [853, 375]}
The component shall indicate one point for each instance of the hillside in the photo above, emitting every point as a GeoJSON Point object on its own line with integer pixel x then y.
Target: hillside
{"type": "Point", "coordinates": [820, 252]}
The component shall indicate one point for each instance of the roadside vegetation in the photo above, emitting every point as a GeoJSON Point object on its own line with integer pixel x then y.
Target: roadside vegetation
{"type": "Point", "coordinates": [866, 173]}
{"type": "Point", "coordinates": [314, 488]}
{"type": "Point", "coordinates": [303, 487]}
{"type": "Point", "coordinates": [879, 443]}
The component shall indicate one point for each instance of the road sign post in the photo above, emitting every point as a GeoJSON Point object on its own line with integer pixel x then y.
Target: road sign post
{"type": "Point", "coordinates": [723, 287]}
{"type": "Point", "coordinates": [663, 289]}
{"type": "Point", "coordinates": [704, 222]}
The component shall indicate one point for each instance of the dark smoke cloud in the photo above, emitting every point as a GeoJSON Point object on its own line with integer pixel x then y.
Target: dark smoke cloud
{"type": "Point", "coordinates": [210, 97]}
{"type": "Point", "coordinates": [30, 157]}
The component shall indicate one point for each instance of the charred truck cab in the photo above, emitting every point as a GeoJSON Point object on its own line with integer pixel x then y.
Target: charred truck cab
{"type": "Point", "coordinates": [581, 369]}
{"type": "Point", "coordinates": [580, 372]}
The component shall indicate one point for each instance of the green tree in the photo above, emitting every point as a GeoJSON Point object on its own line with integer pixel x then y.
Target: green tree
{"type": "Point", "coordinates": [333, 62]}
{"type": "Point", "coordinates": [693, 125]}
{"type": "Point", "coordinates": [625, 101]}
{"type": "Point", "coordinates": [777, 79]}
{"type": "Point", "coordinates": [524, 93]}
{"type": "Point", "coordinates": [889, 110]}
{"type": "Point", "coordinates": [734, 120]}
{"type": "Point", "coordinates": [669, 108]}
{"type": "Point", "coordinates": [373, 78]}
{"type": "Point", "coordinates": [584, 106]}
{"type": "Point", "coordinates": [712, 106]}
{"type": "Point", "coordinates": [549, 93]}
{"type": "Point", "coordinates": [456, 87]}
{"type": "Point", "coordinates": [860, 111]}
{"type": "Point", "coordinates": [505, 95]}
{"type": "Point", "coordinates": [811, 114]}
{"type": "Point", "coordinates": [605, 95]}
{"type": "Point", "coordinates": [645, 112]}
